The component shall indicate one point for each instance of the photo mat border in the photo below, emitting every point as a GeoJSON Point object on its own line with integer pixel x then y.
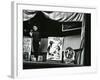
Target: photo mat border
{"type": "Point", "coordinates": [16, 69]}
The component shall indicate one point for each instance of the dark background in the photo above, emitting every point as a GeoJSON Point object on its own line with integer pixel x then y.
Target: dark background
{"type": "Point", "coordinates": [48, 27]}
{"type": "Point", "coordinates": [87, 56]}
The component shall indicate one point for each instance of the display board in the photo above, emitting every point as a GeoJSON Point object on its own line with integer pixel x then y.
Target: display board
{"type": "Point", "coordinates": [54, 50]}
{"type": "Point", "coordinates": [27, 47]}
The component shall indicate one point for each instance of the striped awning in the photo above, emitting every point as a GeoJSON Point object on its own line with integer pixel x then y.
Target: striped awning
{"type": "Point", "coordinates": [55, 15]}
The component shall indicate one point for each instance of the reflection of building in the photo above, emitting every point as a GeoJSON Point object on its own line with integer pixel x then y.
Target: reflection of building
{"type": "Point", "coordinates": [72, 31]}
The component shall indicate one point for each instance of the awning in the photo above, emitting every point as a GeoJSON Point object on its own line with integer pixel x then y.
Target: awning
{"type": "Point", "coordinates": [55, 15]}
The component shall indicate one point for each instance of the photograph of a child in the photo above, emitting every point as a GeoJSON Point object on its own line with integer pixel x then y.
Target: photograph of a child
{"type": "Point", "coordinates": [53, 39]}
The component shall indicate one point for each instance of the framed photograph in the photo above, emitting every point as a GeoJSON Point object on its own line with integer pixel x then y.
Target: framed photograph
{"type": "Point", "coordinates": [52, 39]}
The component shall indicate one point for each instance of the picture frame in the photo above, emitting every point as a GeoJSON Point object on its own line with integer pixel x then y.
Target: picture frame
{"type": "Point", "coordinates": [17, 40]}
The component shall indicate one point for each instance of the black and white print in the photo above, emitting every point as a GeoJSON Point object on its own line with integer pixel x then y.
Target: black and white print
{"type": "Point", "coordinates": [56, 39]}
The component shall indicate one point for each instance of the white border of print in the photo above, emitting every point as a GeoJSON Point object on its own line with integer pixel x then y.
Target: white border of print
{"type": "Point", "coordinates": [17, 28]}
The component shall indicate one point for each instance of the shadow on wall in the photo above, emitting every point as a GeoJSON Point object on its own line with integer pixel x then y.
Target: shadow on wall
{"type": "Point", "coordinates": [72, 41]}
{"type": "Point", "coordinates": [44, 44]}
